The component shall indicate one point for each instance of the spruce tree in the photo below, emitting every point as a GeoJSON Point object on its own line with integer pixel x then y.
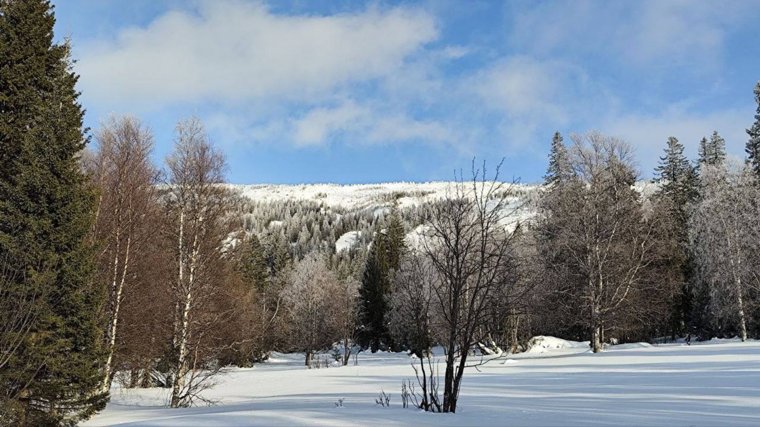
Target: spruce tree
{"type": "Point", "coordinates": [703, 155]}
{"type": "Point", "coordinates": [753, 144]}
{"type": "Point", "coordinates": [717, 149]}
{"type": "Point", "coordinates": [559, 169]}
{"type": "Point", "coordinates": [384, 258]}
{"type": "Point", "coordinates": [373, 332]}
{"type": "Point", "coordinates": [46, 212]}
{"type": "Point", "coordinates": [253, 263]}
{"type": "Point", "coordinates": [677, 191]}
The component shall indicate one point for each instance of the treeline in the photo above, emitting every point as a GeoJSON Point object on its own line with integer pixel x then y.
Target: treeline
{"type": "Point", "coordinates": [115, 269]}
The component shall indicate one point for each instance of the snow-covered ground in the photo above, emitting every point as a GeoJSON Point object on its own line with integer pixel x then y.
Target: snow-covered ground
{"type": "Point", "coordinates": [560, 384]}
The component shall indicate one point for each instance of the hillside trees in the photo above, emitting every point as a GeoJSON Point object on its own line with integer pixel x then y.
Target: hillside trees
{"type": "Point", "coordinates": [46, 208]}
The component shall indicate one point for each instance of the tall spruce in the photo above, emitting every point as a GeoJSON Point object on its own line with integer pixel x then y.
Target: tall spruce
{"type": "Point", "coordinates": [559, 169]}
{"type": "Point", "coordinates": [46, 212]}
{"type": "Point", "coordinates": [753, 144]}
{"type": "Point", "coordinates": [678, 190]}
{"type": "Point", "coordinates": [383, 258]}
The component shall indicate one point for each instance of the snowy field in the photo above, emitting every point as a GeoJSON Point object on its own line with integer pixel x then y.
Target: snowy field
{"type": "Point", "coordinates": [705, 384]}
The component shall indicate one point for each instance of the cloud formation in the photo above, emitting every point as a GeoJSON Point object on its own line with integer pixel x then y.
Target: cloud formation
{"type": "Point", "coordinates": [232, 51]}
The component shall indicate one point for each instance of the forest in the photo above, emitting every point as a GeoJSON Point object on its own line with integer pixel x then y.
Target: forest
{"type": "Point", "coordinates": [116, 269]}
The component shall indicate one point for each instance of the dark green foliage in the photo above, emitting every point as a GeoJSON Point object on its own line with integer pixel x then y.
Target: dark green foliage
{"type": "Point", "coordinates": [712, 152]}
{"type": "Point", "coordinates": [252, 264]}
{"type": "Point", "coordinates": [559, 169]}
{"type": "Point", "coordinates": [383, 258]}
{"type": "Point", "coordinates": [753, 144]}
{"type": "Point", "coordinates": [46, 210]}
{"type": "Point", "coordinates": [678, 191]}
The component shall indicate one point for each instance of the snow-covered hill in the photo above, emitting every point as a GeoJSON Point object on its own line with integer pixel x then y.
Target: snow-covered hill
{"type": "Point", "coordinates": [361, 196]}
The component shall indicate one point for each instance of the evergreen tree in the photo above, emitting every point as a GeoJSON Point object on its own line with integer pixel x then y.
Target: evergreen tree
{"type": "Point", "coordinates": [46, 212]}
{"type": "Point", "coordinates": [678, 190]}
{"type": "Point", "coordinates": [384, 257]}
{"type": "Point", "coordinates": [253, 263]}
{"type": "Point", "coordinates": [717, 149]}
{"type": "Point", "coordinates": [559, 169]}
{"type": "Point", "coordinates": [753, 144]}
{"type": "Point", "coordinates": [703, 155]}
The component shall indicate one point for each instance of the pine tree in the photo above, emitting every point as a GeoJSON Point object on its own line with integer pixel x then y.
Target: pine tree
{"type": "Point", "coordinates": [753, 144]}
{"type": "Point", "coordinates": [559, 169]}
{"type": "Point", "coordinates": [46, 211]}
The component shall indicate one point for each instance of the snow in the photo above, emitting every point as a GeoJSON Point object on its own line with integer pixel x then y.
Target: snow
{"type": "Point", "coordinates": [347, 241]}
{"type": "Point", "coordinates": [543, 344]}
{"type": "Point", "coordinates": [359, 196]}
{"type": "Point", "coordinates": [705, 384]}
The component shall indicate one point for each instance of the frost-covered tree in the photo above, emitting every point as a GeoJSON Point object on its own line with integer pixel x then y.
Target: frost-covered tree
{"type": "Point", "coordinates": [725, 239]}
{"type": "Point", "coordinates": [308, 298]}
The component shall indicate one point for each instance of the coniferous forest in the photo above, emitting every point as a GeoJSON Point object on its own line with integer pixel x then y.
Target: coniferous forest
{"type": "Point", "coordinates": [116, 269]}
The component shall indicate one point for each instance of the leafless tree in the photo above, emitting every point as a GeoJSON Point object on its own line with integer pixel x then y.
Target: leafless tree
{"type": "Point", "coordinates": [197, 208]}
{"type": "Point", "coordinates": [470, 247]}
{"type": "Point", "coordinates": [125, 178]}
{"type": "Point", "coordinates": [726, 240]}
{"type": "Point", "coordinates": [600, 244]}
{"type": "Point", "coordinates": [308, 298]}
{"type": "Point", "coordinates": [413, 320]}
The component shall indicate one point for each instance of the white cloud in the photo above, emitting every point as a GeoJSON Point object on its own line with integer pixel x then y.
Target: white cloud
{"type": "Point", "coordinates": [646, 32]}
{"type": "Point", "coordinates": [238, 51]}
{"type": "Point", "coordinates": [365, 124]}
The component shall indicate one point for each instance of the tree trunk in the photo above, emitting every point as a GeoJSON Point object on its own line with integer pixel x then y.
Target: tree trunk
{"type": "Point", "coordinates": [308, 358]}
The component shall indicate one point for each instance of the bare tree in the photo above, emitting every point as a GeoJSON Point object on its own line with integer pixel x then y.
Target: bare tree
{"type": "Point", "coordinates": [345, 312]}
{"type": "Point", "coordinates": [725, 239]}
{"type": "Point", "coordinates": [125, 177]}
{"type": "Point", "coordinates": [413, 320]}
{"type": "Point", "coordinates": [197, 207]}
{"type": "Point", "coordinates": [598, 243]}
{"type": "Point", "coordinates": [308, 299]}
{"type": "Point", "coordinates": [470, 248]}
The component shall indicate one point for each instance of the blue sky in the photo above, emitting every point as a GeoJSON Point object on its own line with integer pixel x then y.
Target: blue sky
{"type": "Point", "coordinates": [349, 92]}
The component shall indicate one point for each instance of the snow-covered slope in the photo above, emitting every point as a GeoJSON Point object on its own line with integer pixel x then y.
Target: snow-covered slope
{"type": "Point", "coordinates": [359, 196]}
{"type": "Point", "coordinates": [705, 384]}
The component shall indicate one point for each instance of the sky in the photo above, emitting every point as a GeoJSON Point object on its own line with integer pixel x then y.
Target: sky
{"type": "Point", "coordinates": [340, 91]}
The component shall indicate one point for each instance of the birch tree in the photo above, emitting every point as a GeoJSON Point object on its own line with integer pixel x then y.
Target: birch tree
{"type": "Point", "coordinates": [308, 298]}
{"type": "Point", "coordinates": [725, 239]}
{"type": "Point", "coordinates": [126, 182]}
{"type": "Point", "coordinates": [597, 226]}
{"type": "Point", "coordinates": [196, 206]}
